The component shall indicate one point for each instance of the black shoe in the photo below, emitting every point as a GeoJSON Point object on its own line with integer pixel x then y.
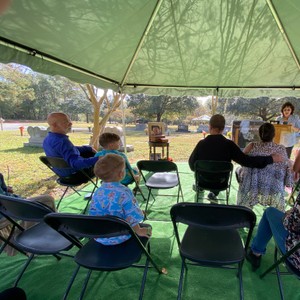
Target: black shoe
{"type": "Point", "coordinates": [253, 259]}
{"type": "Point", "coordinates": [211, 196]}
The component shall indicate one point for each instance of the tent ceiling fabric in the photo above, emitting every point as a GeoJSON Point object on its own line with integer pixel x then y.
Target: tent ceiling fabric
{"type": "Point", "coordinates": [196, 47]}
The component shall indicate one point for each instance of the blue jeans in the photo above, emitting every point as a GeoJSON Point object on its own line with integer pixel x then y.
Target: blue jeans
{"type": "Point", "coordinates": [270, 225]}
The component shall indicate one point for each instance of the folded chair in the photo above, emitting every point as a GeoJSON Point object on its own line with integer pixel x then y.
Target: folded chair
{"type": "Point", "coordinates": [70, 181]}
{"type": "Point", "coordinates": [39, 239]}
{"type": "Point", "coordinates": [95, 256]}
{"type": "Point", "coordinates": [159, 174]}
{"type": "Point", "coordinates": [283, 259]}
{"type": "Point", "coordinates": [213, 176]}
{"type": "Point", "coordinates": [212, 238]}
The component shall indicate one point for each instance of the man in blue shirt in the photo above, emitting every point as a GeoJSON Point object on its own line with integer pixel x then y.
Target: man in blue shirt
{"type": "Point", "coordinates": [57, 144]}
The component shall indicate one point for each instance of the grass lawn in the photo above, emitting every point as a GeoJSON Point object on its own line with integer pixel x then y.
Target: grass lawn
{"type": "Point", "coordinates": [23, 170]}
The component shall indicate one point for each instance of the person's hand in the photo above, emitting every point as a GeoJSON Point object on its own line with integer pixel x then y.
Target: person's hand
{"type": "Point", "coordinates": [10, 189]}
{"type": "Point", "coordinates": [144, 231]}
{"type": "Point", "coordinates": [277, 158]}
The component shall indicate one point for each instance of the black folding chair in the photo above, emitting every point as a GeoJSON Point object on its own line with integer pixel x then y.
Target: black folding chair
{"type": "Point", "coordinates": [137, 185]}
{"type": "Point", "coordinates": [212, 238]}
{"type": "Point", "coordinates": [39, 239]}
{"type": "Point", "coordinates": [71, 181]}
{"type": "Point", "coordinates": [280, 258]}
{"type": "Point", "coordinates": [7, 241]}
{"type": "Point", "coordinates": [296, 187]}
{"type": "Point", "coordinates": [213, 176]}
{"type": "Point", "coordinates": [159, 174]}
{"type": "Point", "coordinates": [95, 256]}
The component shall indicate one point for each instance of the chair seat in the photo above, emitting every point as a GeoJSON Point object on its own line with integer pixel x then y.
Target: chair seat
{"type": "Point", "coordinates": [71, 181]}
{"type": "Point", "coordinates": [96, 256]}
{"type": "Point", "coordinates": [212, 246]}
{"type": "Point", "coordinates": [162, 180]}
{"type": "Point", "coordinates": [39, 240]}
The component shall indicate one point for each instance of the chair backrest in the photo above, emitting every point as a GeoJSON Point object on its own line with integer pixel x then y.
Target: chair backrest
{"type": "Point", "coordinates": [210, 174]}
{"type": "Point", "coordinates": [74, 226]}
{"type": "Point", "coordinates": [71, 225]}
{"type": "Point", "coordinates": [21, 209]}
{"type": "Point", "coordinates": [54, 163]}
{"type": "Point", "coordinates": [218, 216]}
{"type": "Point", "coordinates": [157, 166]}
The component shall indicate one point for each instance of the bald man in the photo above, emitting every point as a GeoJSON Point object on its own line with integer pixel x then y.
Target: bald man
{"type": "Point", "coordinates": [57, 144]}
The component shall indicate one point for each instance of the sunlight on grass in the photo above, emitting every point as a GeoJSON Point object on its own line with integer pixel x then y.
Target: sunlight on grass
{"type": "Point", "coordinates": [23, 170]}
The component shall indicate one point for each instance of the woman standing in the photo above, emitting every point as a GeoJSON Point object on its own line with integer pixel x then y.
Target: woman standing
{"type": "Point", "coordinates": [289, 139]}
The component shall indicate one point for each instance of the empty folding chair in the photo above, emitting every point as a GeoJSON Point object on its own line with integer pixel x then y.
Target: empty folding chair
{"type": "Point", "coordinates": [159, 174]}
{"type": "Point", "coordinates": [212, 237]}
{"type": "Point", "coordinates": [40, 239]}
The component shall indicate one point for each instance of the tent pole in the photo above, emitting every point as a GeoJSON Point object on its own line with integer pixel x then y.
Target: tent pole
{"type": "Point", "coordinates": [123, 119]}
{"type": "Point", "coordinates": [281, 28]}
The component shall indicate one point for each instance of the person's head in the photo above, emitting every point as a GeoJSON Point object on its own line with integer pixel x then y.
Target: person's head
{"type": "Point", "coordinates": [110, 168]}
{"type": "Point", "coordinates": [217, 122]}
{"type": "Point", "coordinates": [287, 109]}
{"type": "Point", "coordinates": [59, 122]}
{"type": "Point", "coordinates": [109, 141]}
{"type": "Point", "coordinates": [266, 132]}
{"type": "Point", "coordinates": [156, 130]}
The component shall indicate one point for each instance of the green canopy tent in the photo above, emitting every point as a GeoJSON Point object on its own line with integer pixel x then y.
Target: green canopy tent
{"type": "Point", "coordinates": [196, 47]}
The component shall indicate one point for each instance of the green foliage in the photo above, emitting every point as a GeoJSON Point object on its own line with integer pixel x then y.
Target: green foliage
{"type": "Point", "coordinates": [263, 107]}
{"type": "Point", "coordinates": [28, 95]}
{"type": "Point", "coordinates": [15, 88]}
{"type": "Point", "coordinates": [155, 107]}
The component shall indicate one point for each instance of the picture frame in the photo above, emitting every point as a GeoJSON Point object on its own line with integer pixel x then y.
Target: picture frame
{"type": "Point", "coordinates": [155, 129]}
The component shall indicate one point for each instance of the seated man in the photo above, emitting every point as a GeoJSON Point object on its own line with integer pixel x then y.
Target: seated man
{"type": "Point", "coordinates": [57, 144]}
{"type": "Point", "coordinates": [217, 147]}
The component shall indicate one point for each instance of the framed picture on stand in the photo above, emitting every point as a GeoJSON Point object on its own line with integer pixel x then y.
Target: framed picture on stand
{"type": "Point", "coordinates": [156, 131]}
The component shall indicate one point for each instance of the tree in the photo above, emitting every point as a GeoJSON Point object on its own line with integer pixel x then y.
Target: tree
{"type": "Point", "coordinates": [264, 107]}
{"type": "Point", "coordinates": [98, 101]}
{"type": "Point", "coordinates": [155, 107]}
{"type": "Point", "coordinates": [15, 87]}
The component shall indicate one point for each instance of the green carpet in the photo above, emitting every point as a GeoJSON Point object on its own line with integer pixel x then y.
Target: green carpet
{"type": "Point", "coordinates": [47, 278]}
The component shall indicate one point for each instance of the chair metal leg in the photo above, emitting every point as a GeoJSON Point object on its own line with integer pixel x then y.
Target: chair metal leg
{"type": "Point", "coordinates": [71, 282]}
{"type": "Point", "coordinates": [147, 203]}
{"type": "Point", "coordinates": [278, 274]}
{"type": "Point", "coordinates": [144, 279]}
{"type": "Point", "coordinates": [276, 263]}
{"type": "Point", "coordinates": [87, 278]}
{"type": "Point", "coordinates": [9, 243]}
{"type": "Point", "coordinates": [57, 206]}
{"type": "Point", "coordinates": [89, 200]}
{"type": "Point", "coordinates": [279, 282]}
{"type": "Point", "coordinates": [23, 269]}
{"type": "Point", "coordinates": [183, 266]}
{"type": "Point", "coordinates": [240, 275]}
